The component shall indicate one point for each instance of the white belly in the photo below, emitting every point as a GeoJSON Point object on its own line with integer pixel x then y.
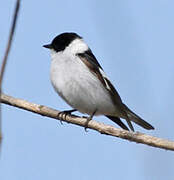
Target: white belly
{"type": "Point", "coordinates": [79, 87]}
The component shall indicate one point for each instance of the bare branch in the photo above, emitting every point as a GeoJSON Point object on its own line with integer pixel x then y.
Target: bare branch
{"type": "Point", "coordinates": [4, 61]}
{"type": "Point", "coordinates": [100, 127]}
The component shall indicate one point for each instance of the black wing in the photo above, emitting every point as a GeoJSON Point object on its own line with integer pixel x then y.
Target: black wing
{"type": "Point", "coordinates": [91, 62]}
{"type": "Point", "coordinates": [118, 121]}
{"type": "Point", "coordinates": [90, 57]}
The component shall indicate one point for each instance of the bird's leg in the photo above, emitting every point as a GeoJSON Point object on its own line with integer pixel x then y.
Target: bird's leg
{"type": "Point", "coordinates": [67, 112]}
{"type": "Point", "coordinates": [89, 119]}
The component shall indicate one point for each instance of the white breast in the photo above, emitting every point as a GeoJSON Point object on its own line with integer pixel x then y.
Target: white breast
{"type": "Point", "coordinates": [73, 81]}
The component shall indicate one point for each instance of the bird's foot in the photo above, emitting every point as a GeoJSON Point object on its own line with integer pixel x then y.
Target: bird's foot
{"type": "Point", "coordinates": [61, 114]}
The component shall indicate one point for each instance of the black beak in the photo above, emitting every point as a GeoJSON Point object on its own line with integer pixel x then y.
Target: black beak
{"type": "Point", "coordinates": [49, 46]}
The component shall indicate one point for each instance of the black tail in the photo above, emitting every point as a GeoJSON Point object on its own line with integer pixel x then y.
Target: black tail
{"type": "Point", "coordinates": [130, 116]}
{"type": "Point", "coordinates": [118, 121]}
{"type": "Point", "coordinates": [136, 119]}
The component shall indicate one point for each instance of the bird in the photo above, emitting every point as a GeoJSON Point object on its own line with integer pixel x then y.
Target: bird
{"type": "Point", "coordinates": [81, 82]}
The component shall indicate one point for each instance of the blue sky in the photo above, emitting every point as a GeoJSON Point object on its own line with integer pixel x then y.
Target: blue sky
{"type": "Point", "coordinates": [133, 41]}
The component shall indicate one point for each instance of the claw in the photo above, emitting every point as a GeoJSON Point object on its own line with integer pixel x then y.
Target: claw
{"type": "Point", "coordinates": [62, 113]}
{"type": "Point", "coordinates": [86, 129]}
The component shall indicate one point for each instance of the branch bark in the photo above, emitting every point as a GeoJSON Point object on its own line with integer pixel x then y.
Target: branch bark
{"type": "Point", "coordinates": [100, 127]}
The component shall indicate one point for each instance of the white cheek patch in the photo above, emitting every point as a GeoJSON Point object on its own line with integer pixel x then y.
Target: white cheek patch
{"type": "Point", "coordinates": [53, 54]}
{"type": "Point", "coordinates": [77, 46]}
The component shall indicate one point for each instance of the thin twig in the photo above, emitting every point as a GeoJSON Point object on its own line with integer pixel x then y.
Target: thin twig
{"type": "Point", "coordinates": [4, 61]}
{"type": "Point", "coordinates": [100, 127]}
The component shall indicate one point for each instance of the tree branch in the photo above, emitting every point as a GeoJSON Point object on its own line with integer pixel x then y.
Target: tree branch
{"type": "Point", "coordinates": [100, 127]}
{"type": "Point", "coordinates": [4, 61]}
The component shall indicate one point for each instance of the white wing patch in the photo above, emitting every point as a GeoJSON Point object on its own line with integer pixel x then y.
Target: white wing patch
{"type": "Point", "coordinates": [104, 78]}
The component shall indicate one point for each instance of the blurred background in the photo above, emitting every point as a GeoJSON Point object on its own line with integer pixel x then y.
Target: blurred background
{"type": "Point", "coordinates": [133, 41]}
